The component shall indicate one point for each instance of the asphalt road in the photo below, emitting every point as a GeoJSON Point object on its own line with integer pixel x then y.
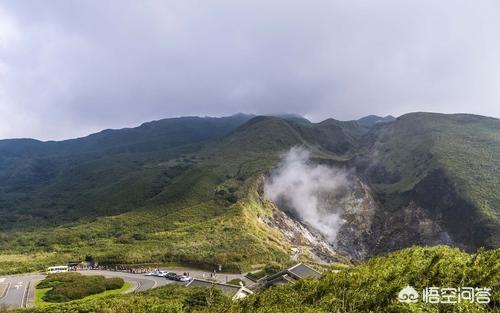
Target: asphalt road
{"type": "Point", "coordinates": [18, 291]}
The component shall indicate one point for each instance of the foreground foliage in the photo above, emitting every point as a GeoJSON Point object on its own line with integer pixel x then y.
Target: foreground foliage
{"type": "Point", "coordinates": [370, 287]}
{"type": "Point", "coordinates": [170, 298]}
{"type": "Point", "coordinates": [374, 285]}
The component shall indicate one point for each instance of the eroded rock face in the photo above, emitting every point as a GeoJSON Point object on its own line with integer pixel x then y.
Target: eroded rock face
{"type": "Point", "coordinates": [353, 240]}
{"type": "Point", "coordinates": [301, 237]}
{"type": "Point", "coordinates": [359, 208]}
{"type": "Point", "coordinates": [368, 228]}
{"type": "Point", "coordinates": [409, 225]}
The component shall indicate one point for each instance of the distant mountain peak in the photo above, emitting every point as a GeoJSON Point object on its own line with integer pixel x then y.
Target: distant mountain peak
{"type": "Point", "coordinates": [372, 120]}
{"type": "Point", "coordinates": [291, 116]}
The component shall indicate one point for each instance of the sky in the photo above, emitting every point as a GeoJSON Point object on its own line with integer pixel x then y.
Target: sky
{"type": "Point", "coordinates": [70, 68]}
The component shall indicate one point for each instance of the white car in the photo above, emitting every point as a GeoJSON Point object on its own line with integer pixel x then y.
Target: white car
{"type": "Point", "coordinates": [156, 273]}
{"type": "Point", "coordinates": [185, 278]}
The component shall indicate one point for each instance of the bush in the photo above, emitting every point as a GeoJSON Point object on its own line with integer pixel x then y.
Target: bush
{"type": "Point", "coordinates": [114, 283]}
{"type": "Point", "coordinates": [272, 268]}
{"type": "Point", "coordinates": [73, 286]}
{"type": "Point", "coordinates": [53, 280]}
{"type": "Point", "coordinates": [236, 281]}
{"type": "Point", "coordinates": [256, 275]}
{"type": "Point", "coordinates": [269, 269]}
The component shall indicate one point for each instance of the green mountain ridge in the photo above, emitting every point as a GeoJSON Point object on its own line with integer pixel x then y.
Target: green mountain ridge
{"type": "Point", "coordinates": [190, 190]}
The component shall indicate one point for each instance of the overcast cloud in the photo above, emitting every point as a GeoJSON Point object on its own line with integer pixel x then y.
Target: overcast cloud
{"type": "Point", "coordinates": [68, 68]}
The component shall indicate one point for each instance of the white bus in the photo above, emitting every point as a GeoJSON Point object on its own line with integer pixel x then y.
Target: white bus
{"type": "Point", "coordinates": [57, 269]}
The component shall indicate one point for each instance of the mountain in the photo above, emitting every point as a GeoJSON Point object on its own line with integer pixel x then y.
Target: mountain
{"type": "Point", "coordinates": [372, 120]}
{"type": "Point", "coordinates": [191, 191]}
{"type": "Point", "coordinates": [149, 137]}
{"type": "Point", "coordinates": [443, 169]}
{"type": "Point", "coordinates": [108, 172]}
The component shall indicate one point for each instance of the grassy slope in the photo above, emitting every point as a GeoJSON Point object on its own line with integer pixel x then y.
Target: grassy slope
{"type": "Point", "coordinates": [114, 171]}
{"type": "Point", "coordinates": [464, 150]}
{"type": "Point", "coordinates": [206, 216]}
{"type": "Point", "coordinates": [207, 213]}
{"type": "Point", "coordinates": [372, 286]}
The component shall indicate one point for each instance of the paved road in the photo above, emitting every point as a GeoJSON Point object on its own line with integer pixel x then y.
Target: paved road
{"type": "Point", "coordinates": [19, 291]}
{"type": "Point", "coordinates": [221, 277]}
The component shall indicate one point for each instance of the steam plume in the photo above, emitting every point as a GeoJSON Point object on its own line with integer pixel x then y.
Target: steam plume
{"type": "Point", "coordinates": [304, 189]}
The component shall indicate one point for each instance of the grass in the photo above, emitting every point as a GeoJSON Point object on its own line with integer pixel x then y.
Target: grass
{"type": "Point", "coordinates": [372, 286]}
{"type": "Point", "coordinates": [29, 262]}
{"type": "Point", "coordinates": [199, 204]}
{"type": "Point", "coordinates": [216, 196]}
{"type": "Point", "coordinates": [69, 286]}
{"type": "Point", "coordinates": [126, 286]}
{"type": "Point", "coordinates": [459, 154]}
{"type": "Point", "coordinates": [41, 293]}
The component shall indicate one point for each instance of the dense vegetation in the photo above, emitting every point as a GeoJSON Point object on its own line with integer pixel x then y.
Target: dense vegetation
{"type": "Point", "coordinates": [269, 269]}
{"type": "Point", "coordinates": [114, 171]}
{"type": "Point", "coordinates": [214, 195]}
{"type": "Point", "coordinates": [152, 194]}
{"type": "Point", "coordinates": [374, 285]}
{"type": "Point", "coordinates": [370, 287]}
{"type": "Point", "coordinates": [446, 164]}
{"type": "Point", "coordinates": [73, 286]}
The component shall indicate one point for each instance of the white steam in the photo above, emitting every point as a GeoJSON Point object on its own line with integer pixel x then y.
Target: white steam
{"type": "Point", "coordinates": [304, 189]}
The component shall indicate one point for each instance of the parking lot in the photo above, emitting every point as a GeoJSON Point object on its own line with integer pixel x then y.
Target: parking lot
{"type": "Point", "coordinates": [18, 291]}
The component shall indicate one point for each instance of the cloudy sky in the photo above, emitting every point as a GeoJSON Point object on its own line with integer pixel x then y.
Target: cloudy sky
{"type": "Point", "coordinates": [69, 68]}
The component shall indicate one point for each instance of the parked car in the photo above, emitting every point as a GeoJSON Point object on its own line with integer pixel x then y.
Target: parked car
{"type": "Point", "coordinates": [170, 275]}
{"type": "Point", "coordinates": [157, 273]}
{"type": "Point", "coordinates": [183, 278]}
{"type": "Point", "coordinates": [161, 273]}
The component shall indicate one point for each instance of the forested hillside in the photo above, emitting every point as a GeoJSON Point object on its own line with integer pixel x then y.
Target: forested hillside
{"type": "Point", "coordinates": [190, 191]}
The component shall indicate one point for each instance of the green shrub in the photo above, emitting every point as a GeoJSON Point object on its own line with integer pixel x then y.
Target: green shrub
{"type": "Point", "coordinates": [73, 286]}
{"type": "Point", "coordinates": [374, 285]}
{"type": "Point", "coordinates": [53, 280]}
{"type": "Point", "coordinates": [236, 281]}
{"type": "Point", "coordinates": [256, 275]}
{"type": "Point", "coordinates": [272, 268]}
{"type": "Point", "coordinates": [269, 269]}
{"type": "Point", "coordinates": [114, 283]}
